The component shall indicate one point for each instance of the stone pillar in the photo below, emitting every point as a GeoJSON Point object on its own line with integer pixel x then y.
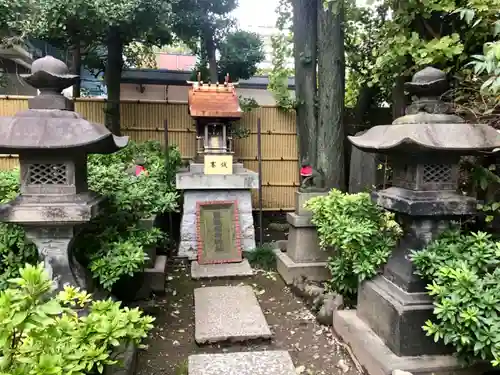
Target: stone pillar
{"type": "Point", "coordinates": [54, 244]}
{"type": "Point", "coordinates": [303, 256]}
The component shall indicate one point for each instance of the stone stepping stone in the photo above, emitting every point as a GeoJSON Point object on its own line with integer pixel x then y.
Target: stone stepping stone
{"type": "Point", "coordinates": [228, 313]}
{"type": "Point", "coordinates": [275, 362]}
{"type": "Point", "coordinates": [213, 271]}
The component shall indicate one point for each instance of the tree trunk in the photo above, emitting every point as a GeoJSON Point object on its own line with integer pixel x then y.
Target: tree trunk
{"type": "Point", "coordinates": [398, 98]}
{"type": "Point", "coordinates": [113, 78]}
{"type": "Point", "coordinates": [209, 43]}
{"type": "Point", "coordinates": [331, 78]}
{"type": "Point", "coordinates": [304, 38]}
{"type": "Point", "coordinates": [76, 67]}
{"type": "Point", "coordinates": [360, 123]}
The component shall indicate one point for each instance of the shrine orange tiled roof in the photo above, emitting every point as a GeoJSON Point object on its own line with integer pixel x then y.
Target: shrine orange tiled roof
{"type": "Point", "coordinates": [214, 101]}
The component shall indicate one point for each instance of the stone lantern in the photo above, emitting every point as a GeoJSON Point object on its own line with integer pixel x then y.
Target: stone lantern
{"type": "Point", "coordinates": [53, 142]}
{"type": "Point", "coordinates": [425, 147]}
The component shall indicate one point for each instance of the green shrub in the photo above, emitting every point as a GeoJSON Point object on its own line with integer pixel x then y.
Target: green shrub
{"type": "Point", "coordinates": [15, 248]}
{"type": "Point", "coordinates": [359, 234]}
{"type": "Point", "coordinates": [43, 334]}
{"type": "Point", "coordinates": [463, 274]}
{"type": "Point", "coordinates": [262, 257]}
{"type": "Point", "coordinates": [113, 243]}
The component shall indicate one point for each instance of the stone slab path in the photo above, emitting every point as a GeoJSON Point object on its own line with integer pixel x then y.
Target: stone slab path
{"type": "Point", "coordinates": [210, 271]}
{"type": "Point", "coordinates": [275, 362]}
{"type": "Point", "coordinates": [228, 313]}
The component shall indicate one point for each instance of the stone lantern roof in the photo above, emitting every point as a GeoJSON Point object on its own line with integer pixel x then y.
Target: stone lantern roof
{"type": "Point", "coordinates": [50, 123]}
{"type": "Point", "coordinates": [427, 125]}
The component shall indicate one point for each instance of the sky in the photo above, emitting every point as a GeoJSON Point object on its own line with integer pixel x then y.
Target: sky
{"type": "Point", "coordinates": [256, 13]}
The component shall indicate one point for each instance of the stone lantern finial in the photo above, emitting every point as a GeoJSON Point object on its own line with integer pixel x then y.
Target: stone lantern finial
{"type": "Point", "coordinates": [427, 87]}
{"type": "Point", "coordinates": [51, 76]}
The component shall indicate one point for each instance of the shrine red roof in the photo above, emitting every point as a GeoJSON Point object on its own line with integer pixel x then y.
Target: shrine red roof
{"type": "Point", "coordinates": [218, 101]}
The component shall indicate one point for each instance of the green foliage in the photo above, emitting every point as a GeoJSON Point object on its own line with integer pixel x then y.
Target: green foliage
{"type": "Point", "coordinates": [240, 52]}
{"type": "Point", "coordinates": [489, 64]}
{"type": "Point", "coordinates": [359, 233]}
{"type": "Point", "coordinates": [463, 272]}
{"type": "Point", "coordinates": [43, 334]}
{"type": "Point", "coordinates": [248, 104]}
{"type": "Point", "coordinates": [444, 34]}
{"type": "Point", "coordinates": [15, 248]}
{"type": "Point", "coordinates": [262, 257]}
{"type": "Point", "coordinates": [113, 243]}
{"type": "Point", "coordinates": [282, 46]}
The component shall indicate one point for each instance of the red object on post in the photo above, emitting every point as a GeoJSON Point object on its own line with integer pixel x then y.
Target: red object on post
{"type": "Point", "coordinates": [306, 171]}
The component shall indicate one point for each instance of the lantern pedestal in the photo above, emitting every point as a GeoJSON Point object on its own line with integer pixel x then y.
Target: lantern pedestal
{"type": "Point", "coordinates": [385, 332]}
{"type": "Point", "coordinates": [378, 359]}
{"type": "Point", "coordinates": [303, 256]}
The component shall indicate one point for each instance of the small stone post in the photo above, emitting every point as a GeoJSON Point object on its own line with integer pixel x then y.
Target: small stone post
{"type": "Point", "coordinates": [53, 142]}
{"type": "Point", "coordinates": [303, 256]}
{"type": "Point", "coordinates": [425, 145]}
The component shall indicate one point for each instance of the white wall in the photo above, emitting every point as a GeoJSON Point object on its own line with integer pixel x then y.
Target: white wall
{"type": "Point", "coordinates": [180, 93]}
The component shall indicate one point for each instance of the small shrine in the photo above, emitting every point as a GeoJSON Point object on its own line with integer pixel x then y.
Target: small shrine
{"type": "Point", "coordinates": [425, 147]}
{"type": "Point", "coordinates": [213, 108]}
{"type": "Point", "coordinates": [217, 222]}
{"type": "Point", "coordinates": [53, 142]}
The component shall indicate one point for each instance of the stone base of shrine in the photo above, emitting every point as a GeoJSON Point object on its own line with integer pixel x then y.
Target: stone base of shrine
{"type": "Point", "coordinates": [201, 188]}
{"type": "Point", "coordinates": [188, 246]}
{"type": "Point", "coordinates": [290, 270]}
{"type": "Point", "coordinates": [378, 359]}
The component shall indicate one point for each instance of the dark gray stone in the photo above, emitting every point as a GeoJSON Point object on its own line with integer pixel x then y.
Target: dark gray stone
{"type": "Point", "coordinates": [127, 362]}
{"type": "Point", "coordinates": [377, 359]}
{"type": "Point", "coordinates": [155, 277]}
{"type": "Point", "coordinates": [397, 317]}
{"type": "Point", "coordinates": [362, 171]}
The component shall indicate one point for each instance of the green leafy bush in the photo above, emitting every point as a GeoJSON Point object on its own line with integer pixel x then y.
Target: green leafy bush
{"type": "Point", "coordinates": [43, 334]}
{"type": "Point", "coordinates": [113, 243]}
{"type": "Point", "coordinates": [359, 234]}
{"type": "Point", "coordinates": [15, 248]}
{"type": "Point", "coordinates": [463, 273]}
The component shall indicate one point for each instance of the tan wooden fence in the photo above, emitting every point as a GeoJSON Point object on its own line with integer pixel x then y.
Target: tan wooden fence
{"type": "Point", "coordinates": [145, 120]}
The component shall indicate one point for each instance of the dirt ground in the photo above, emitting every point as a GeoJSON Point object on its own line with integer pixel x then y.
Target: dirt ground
{"type": "Point", "coordinates": [314, 348]}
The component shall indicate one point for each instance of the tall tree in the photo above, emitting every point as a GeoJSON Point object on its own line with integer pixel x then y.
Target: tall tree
{"type": "Point", "coordinates": [60, 23]}
{"type": "Point", "coordinates": [240, 52]}
{"type": "Point", "coordinates": [145, 21]}
{"type": "Point", "coordinates": [202, 25]}
{"type": "Point", "coordinates": [97, 25]}
{"type": "Point", "coordinates": [305, 37]}
{"type": "Point", "coordinates": [331, 82]}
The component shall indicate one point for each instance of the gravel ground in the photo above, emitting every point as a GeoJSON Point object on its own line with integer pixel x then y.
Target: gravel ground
{"type": "Point", "coordinates": [314, 348]}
